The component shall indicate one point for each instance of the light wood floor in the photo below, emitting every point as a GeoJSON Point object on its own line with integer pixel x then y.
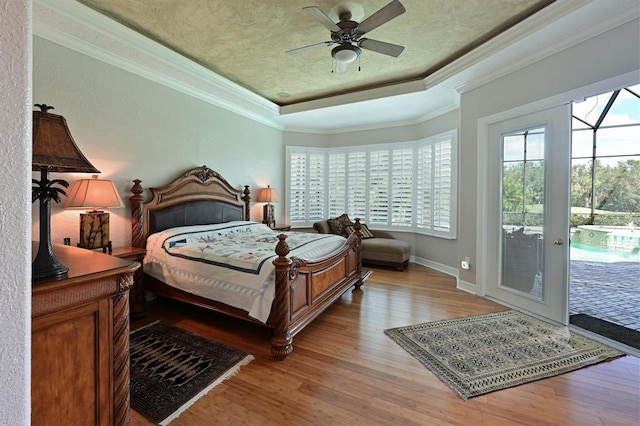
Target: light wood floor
{"type": "Point", "coordinates": [345, 371]}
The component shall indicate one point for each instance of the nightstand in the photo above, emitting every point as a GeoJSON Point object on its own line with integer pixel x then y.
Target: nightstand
{"type": "Point", "coordinates": [282, 228]}
{"type": "Point", "coordinates": [136, 294]}
{"type": "Point", "coordinates": [80, 340]}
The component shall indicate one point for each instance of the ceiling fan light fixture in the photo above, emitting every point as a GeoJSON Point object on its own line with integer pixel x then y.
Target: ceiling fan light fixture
{"type": "Point", "coordinates": [346, 53]}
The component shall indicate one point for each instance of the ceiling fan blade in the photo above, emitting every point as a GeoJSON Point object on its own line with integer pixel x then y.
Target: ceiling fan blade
{"type": "Point", "coordinates": [387, 13]}
{"type": "Point", "coordinates": [381, 47]}
{"type": "Point", "coordinates": [323, 19]}
{"type": "Point", "coordinates": [310, 47]}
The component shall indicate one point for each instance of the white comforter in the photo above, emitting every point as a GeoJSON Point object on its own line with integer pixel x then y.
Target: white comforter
{"type": "Point", "coordinates": [229, 262]}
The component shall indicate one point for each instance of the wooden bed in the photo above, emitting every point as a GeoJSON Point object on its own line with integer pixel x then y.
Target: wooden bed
{"type": "Point", "coordinates": [303, 289]}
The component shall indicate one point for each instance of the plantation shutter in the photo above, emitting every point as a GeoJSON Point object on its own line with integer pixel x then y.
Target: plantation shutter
{"type": "Point", "coordinates": [337, 184]}
{"type": "Point", "coordinates": [402, 187]}
{"type": "Point", "coordinates": [436, 184]}
{"type": "Point", "coordinates": [316, 188]}
{"type": "Point", "coordinates": [357, 184]}
{"type": "Point", "coordinates": [442, 186]}
{"type": "Point", "coordinates": [378, 187]}
{"type": "Point", "coordinates": [297, 187]}
{"type": "Point", "coordinates": [424, 187]}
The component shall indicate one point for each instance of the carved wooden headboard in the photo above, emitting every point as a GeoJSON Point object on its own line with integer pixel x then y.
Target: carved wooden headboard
{"type": "Point", "coordinates": [199, 196]}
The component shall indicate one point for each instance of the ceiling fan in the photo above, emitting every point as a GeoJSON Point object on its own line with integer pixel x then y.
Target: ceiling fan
{"type": "Point", "coordinates": [347, 34]}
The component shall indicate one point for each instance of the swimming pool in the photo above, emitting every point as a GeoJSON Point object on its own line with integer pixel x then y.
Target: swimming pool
{"type": "Point", "coordinates": [617, 238]}
{"type": "Point", "coordinates": [595, 254]}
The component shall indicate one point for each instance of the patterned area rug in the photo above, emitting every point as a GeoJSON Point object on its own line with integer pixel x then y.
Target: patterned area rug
{"type": "Point", "coordinates": [171, 368]}
{"type": "Point", "coordinates": [484, 353]}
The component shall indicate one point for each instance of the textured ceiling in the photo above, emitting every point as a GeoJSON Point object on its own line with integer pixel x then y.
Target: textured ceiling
{"type": "Point", "coordinates": [245, 41]}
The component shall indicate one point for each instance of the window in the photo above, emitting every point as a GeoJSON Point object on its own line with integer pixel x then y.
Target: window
{"type": "Point", "coordinates": [402, 186]}
{"type": "Point", "coordinates": [436, 184]}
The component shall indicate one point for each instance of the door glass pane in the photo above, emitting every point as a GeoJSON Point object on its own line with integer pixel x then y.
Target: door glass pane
{"type": "Point", "coordinates": [523, 195]}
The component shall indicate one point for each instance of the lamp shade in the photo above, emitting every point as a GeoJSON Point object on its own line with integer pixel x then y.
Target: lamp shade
{"type": "Point", "coordinates": [53, 146]}
{"type": "Point", "coordinates": [267, 195]}
{"type": "Point", "coordinates": [93, 193]}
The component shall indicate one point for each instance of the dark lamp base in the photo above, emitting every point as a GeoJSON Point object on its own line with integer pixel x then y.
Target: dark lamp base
{"type": "Point", "coordinates": [46, 265]}
{"type": "Point", "coordinates": [268, 215]}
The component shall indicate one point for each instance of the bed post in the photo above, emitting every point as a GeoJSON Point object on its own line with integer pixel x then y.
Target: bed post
{"type": "Point", "coordinates": [247, 207]}
{"type": "Point", "coordinates": [357, 227]}
{"type": "Point", "coordinates": [137, 221]}
{"type": "Point", "coordinates": [281, 340]}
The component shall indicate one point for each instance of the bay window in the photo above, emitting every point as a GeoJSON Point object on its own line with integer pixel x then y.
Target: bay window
{"type": "Point", "coordinates": [401, 186]}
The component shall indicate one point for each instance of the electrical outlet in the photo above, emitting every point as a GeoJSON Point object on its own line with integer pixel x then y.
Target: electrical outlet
{"type": "Point", "coordinates": [466, 263]}
{"type": "Point", "coordinates": [67, 241]}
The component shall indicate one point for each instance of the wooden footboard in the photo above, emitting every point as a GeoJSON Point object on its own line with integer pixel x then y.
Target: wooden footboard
{"type": "Point", "coordinates": [303, 289]}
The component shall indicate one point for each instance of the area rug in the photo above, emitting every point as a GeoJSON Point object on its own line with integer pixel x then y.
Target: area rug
{"type": "Point", "coordinates": [481, 354]}
{"type": "Point", "coordinates": [607, 329]}
{"type": "Point", "coordinates": [171, 368]}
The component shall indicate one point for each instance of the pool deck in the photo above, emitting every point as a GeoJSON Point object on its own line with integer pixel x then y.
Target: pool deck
{"type": "Point", "coordinates": [609, 291]}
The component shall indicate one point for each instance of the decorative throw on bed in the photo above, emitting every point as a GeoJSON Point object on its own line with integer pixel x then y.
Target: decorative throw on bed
{"type": "Point", "coordinates": [229, 262]}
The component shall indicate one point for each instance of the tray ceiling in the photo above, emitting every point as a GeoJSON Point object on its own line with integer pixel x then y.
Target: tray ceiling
{"type": "Point", "coordinates": [245, 41]}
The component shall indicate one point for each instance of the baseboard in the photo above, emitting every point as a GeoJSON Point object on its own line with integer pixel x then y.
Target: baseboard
{"type": "Point", "coordinates": [435, 265]}
{"type": "Point", "coordinates": [466, 286]}
{"type": "Point", "coordinates": [446, 269]}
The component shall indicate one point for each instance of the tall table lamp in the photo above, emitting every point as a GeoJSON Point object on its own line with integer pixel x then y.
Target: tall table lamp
{"type": "Point", "coordinates": [268, 195]}
{"type": "Point", "coordinates": [54, 150]}
{"type": "Point", "coordinates": [94, 194]}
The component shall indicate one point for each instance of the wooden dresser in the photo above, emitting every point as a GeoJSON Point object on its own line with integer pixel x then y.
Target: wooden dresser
{"type": "Point", "coordinates": [80, 341]}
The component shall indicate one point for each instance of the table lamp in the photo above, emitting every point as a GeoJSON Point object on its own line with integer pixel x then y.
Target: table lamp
{"type": "Point", "coordinates": [94, 194]}
{"type": "Point", "coordinates": [54, 150]}
{"type": "Point", "coordinates": [267, 195]}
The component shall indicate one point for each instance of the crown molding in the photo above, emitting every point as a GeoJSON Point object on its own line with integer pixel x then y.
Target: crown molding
{"type": "Point", "coordinates": [377, 126]}
{"type": "Point", "coordinates": [505, 39]}
{"type": "Point", "coordinates": [79, 28]}
{"type": "Point", "coordinates": [355, 97]}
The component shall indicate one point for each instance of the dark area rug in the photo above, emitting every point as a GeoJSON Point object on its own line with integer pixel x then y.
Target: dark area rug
{"type": "Point", "coordinates": [171, 368]}
{"type": "Point", "coordinates": [607, 329]}
{"type": "Point", "coordinates": [484, 353]}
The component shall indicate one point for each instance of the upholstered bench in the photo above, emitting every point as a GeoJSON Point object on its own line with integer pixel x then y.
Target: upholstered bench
{"type": "Point", "coordinates": [380, 248]}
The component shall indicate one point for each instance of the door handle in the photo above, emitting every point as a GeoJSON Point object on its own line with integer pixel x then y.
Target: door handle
{"type": "Point", "coordinates": [558, 241]}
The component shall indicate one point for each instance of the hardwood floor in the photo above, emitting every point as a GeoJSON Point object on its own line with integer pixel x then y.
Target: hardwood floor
{"type": "Point", "coordinates": [345, 371]}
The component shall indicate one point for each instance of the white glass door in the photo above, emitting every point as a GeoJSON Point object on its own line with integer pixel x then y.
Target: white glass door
{"type": "Point", "coordinates": [528, 238]}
